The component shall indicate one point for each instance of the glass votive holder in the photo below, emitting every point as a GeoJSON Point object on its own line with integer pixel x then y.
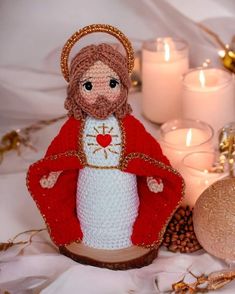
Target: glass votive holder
{"type": "Point", "coordinates": [182, 136]}
{"type": "Point", "coordinates": [164, 61]}
{"type": "Point", "coordinates": [200, 170]}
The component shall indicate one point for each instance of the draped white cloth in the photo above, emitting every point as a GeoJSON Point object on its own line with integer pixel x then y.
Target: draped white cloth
{"type": "Point", "coordinates": [31, 88]}
{"type": "Point", "coordinates": [40, 268]}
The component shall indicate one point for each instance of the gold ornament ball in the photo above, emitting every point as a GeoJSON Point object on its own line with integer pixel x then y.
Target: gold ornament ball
{"type": "Point", "coordinates": [214, 219]}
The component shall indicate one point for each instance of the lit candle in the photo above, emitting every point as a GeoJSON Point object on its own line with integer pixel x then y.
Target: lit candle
{"type": "Point", "coordinates": [163, 63]}
{"type": "Point", "coordinates": [180, 137]}
{"type": "Point", "coordinates": [197, 170]}
{"type": "Point", "coordinates": [209, 95]}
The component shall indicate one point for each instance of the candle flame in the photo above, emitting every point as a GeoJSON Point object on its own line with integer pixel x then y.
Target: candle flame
{"type": "Point", "coordinates": [206, 172]}
{"type": "Point", "coordinates": [202, 78]}
{"type": "Point", "coordinates": [167, 51]}
{"type": "Point", "coordinates": [189, 137]}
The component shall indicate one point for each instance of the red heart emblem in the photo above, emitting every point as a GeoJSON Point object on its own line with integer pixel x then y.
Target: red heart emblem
{"type": "Point", "coordinates": [104, 140]}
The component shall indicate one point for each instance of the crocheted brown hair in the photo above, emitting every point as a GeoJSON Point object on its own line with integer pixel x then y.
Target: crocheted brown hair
{"type": "Point", "coordinates": [86, 57]}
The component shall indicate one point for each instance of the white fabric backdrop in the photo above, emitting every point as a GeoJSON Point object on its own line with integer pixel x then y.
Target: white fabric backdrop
{"type": "Point", "coordinates": [31, 88]}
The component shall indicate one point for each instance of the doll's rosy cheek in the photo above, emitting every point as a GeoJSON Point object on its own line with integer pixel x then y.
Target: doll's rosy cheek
{"type": "Point", "coordinates": [114, 89]}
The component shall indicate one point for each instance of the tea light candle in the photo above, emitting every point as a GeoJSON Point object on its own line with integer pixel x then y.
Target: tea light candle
{"type": "Point", "coordinates": [180, 137]}
{"type": "Point", "coordinates": [209, 95]}
{"type": "Point", "coordinates": [164, 61]}
{"type": "Point", "coordinates": [196, 170]}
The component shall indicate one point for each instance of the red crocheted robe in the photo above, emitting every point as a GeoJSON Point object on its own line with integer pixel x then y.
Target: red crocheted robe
{"type": "Point", "coordinates": [141, 155]}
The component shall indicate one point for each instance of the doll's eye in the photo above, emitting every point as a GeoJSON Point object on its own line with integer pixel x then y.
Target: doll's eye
{"type": "Point", "coordinates": [87, 86]}
{"type": "Point", "coordinates": [113, 83]}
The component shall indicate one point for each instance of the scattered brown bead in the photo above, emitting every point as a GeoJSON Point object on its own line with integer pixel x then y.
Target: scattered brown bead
{"type": "Point", "coordinates": [177, 217]}
{"type": "Point", "coordinates": [179, 235]}
{"type": "Point", "coordinates": [181, 212]}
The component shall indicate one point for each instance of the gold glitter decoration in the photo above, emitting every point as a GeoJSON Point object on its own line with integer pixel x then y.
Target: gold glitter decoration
{"type": "Point", "coordinates": [227, 147]}
{"type": "Point", "coordinates": [228, 59]}
{"type": "Point", "coordinates": [214, 219]}
{"type": "Point", "coordinates": [95, 28]}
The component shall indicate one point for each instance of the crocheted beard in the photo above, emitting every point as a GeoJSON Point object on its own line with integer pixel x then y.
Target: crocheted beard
{"type": "Point", "coordinates": [99, 83]}
{"type": "Point", "coordinates": [104, 180]}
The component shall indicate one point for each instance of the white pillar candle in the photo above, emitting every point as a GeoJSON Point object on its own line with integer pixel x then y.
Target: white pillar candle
{"type": "Point", "coordinates": [164, 61]}
{"type": "Point", "coordinates": [181, 137]}
{"type": "Point", "coordinates": [197, 170]}
{"type": "Point", "coordinates": [209, 95]}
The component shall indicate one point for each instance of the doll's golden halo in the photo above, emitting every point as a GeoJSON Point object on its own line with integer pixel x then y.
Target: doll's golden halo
{"type": "Point", "coordinates": [103, 28]}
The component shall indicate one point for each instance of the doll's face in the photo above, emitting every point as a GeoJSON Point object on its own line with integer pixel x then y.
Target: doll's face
{"type": "Point", "coordinates": [99, 80]}
{"type": "Point", "coordinates": [100, 89]}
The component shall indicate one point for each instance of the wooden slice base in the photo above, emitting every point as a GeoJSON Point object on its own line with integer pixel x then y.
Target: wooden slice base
{"type": "Point", "coordinates": [121, 259]}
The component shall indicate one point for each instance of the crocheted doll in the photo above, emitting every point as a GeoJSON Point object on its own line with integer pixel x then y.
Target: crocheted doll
{"type": "Point", "coordinates": [104, 181]}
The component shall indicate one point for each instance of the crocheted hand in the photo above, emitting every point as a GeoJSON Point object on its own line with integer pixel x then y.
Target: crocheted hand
{"type": "Point", "coordinates": [154, 185]}
{"type": "Point", "coordinates": [49, 182]}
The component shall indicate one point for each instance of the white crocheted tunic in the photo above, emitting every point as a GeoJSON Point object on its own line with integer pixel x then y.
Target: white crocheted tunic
{"type": "Point", "coordinates": [107, 198]}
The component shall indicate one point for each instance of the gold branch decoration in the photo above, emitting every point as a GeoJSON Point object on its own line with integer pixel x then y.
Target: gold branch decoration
{"type": "Point", "coordinates": [12, 242]}
{"type": "Point", "coordinates": [226, 52]}
{"type": "Point", "coordinates": [204, 283]}
{"type": "Point", "coordinates": [16, 139]}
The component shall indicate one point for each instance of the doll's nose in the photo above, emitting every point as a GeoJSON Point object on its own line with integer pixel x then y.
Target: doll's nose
{"type": "Point", "coordinates": [101, 91]}
{"type": "Point", "coordinates": [101, 87]}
